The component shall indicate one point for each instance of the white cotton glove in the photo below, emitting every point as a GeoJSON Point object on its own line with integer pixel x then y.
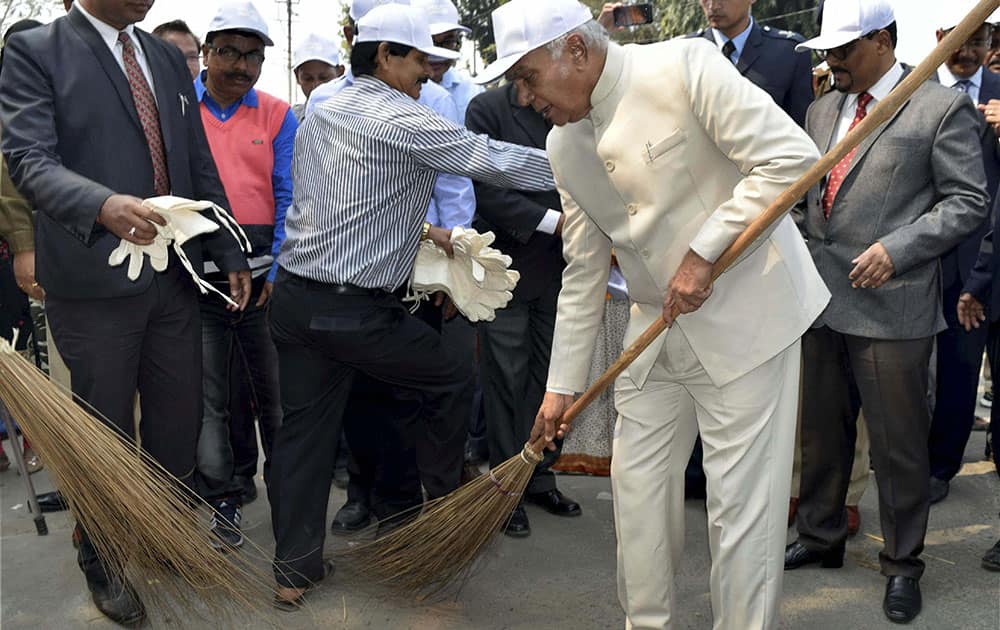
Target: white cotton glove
{"type": "Point", "coordinates": [477, 279]}
{"type": "Point", "coordinates": [184, 222]}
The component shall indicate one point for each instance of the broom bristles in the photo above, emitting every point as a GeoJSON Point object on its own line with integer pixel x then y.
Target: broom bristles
{"type": "Point", "coordinates": [438, 549]}
{"type": "Point", "coordinates": [141, 519]}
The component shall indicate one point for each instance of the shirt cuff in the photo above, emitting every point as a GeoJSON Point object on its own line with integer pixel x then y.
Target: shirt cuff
{"type": "Point", "coordinates": [549, 222]}
{"type": "Point", "coordinates": [560, 390]}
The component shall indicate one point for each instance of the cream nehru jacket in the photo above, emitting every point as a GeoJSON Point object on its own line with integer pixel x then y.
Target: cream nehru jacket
{"type": "Point", "coordinates": [680, 152]}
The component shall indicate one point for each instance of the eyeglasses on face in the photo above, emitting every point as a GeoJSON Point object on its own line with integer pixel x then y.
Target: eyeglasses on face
{"type": "Point", "coordinates": [232, 55]}
{"type": "Point", "coordinates": [840, 53]}
{"type": "Point", "coordinates": [451, 42]}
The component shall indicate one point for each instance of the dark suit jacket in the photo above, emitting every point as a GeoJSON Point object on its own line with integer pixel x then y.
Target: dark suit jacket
{"type": "Point", "coordinates": [769, 60]}
{"type": "Point", "coordinates": [957, 265]}
{"type": "Point", "coordinates": [916, 185]}
{"type": "Point", "coordinates": [513, 215]}
{"type": "Point", "coordinates": [72, 138]}
{"type": "Point", "coordinates": [984, 282]}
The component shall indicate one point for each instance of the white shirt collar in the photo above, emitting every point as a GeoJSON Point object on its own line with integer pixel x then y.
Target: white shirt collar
{"type": "Point", "coordinates": [107, 32]}
{"type": "Point", "coordinates": [884, 85]}
{"type": "Point", "coordinates": [948, 79]}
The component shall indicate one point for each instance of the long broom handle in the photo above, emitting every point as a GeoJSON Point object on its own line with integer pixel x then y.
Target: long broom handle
{"type": "Point", "coordinates": [880, 114]}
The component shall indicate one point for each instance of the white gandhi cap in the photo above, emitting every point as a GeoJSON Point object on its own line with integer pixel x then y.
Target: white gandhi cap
{"type": "Point", "coordinates": [521, 26]}
{"type": "Point", "coordinates": [954, 11]}
{"type": "Point", "coordinates": [316, 48]}
{"type": "Point", "coordinates": [402, 25]}
{"type": "Point", "coordinates": [240, 15]}
{"type": "Point", "coordinates": [442, 16]}
{"type": "Point", "coordinates": [360, 8]}
{"type": "Point", "coordinates": [847, 20]}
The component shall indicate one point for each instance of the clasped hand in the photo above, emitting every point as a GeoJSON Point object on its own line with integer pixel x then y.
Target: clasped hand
{"type": "Point", "coordinates": [689, 288]}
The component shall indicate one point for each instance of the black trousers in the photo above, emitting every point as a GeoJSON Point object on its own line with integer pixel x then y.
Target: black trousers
{"type": "Point", "coordinates": [994, 345]}
{"type": "Point", "coordinates": [515, 349]}
{"type": "Point", "coordinates": [324, 338]}
{"type": "Point", "coordinates": [959, 358]}
{"type": "Point", "coordinates": [891, 379]}
{"type": "Point", "coordinates": [149, 342]}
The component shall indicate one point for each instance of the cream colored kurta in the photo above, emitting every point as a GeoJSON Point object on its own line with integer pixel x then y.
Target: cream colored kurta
{"type": "Point", "coordinates": [680, 152]}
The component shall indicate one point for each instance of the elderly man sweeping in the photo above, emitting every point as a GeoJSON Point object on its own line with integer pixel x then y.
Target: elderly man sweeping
{"type": "Point", "coordinates": [666, 154]}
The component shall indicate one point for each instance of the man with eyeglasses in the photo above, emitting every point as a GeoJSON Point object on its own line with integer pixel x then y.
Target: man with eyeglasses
{"type": "Point", "coordinates": [960, 351]}
{"type": "Point", "coordinates": [251, 134]}
{"type": "Point", "coordinates": [448, 33]}
{"type": "Point", "coordinates": [876, 227]}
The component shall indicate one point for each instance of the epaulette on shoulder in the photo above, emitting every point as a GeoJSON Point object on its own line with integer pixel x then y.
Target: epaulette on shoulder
{"type": "Point", "coordinates": [775, 33]}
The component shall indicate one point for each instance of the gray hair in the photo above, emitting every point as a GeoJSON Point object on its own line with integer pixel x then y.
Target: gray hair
{"type": "Point", "coordinates": [593, 34]}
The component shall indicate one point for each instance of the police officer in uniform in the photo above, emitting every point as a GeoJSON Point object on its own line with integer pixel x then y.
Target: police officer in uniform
{"type": "Point", "coordinates": [762, 54]}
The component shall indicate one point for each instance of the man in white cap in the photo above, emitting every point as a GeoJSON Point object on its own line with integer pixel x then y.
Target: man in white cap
{"type": "Point", "coordinates": [251, 134]}
{"type": "Point", "coordinates": [876, 229]}
{"type": "Point", "coordinates": [364, 169]}
{"type": "Point", "coordinates": [316, 61]}
{"type": "Point", "coordinates": [670, 178]}
{"type": "Point", "coordinates": [960, 351]}
{"type": "Point", "coordinates": [448, 33]}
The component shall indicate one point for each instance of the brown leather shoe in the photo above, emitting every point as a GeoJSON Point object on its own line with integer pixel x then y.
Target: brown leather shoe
{"type": "Point", "coordinates": [793, 508]}
{"type": "Point", "coordinates": [853, 520]}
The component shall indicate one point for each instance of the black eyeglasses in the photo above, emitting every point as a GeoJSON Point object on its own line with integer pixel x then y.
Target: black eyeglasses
{"type": "Point", "coordinates": [232, 55]}
{"type": "Point", "coordinates": [840, 53]}
{"type": "Point", "coordinates": [451, 42]}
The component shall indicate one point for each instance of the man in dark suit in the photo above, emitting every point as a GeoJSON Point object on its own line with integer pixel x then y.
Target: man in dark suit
{"type": "Point", "coordinates": [876, 227]}
{"type": "Point", "coordinates": [98, 115]}
{"type": "Point", "coordinates": [960, 352]}
{"type": "Point", "coordinates": [762, 54]}
{"type": "Point", "coordinates": [515, 347]}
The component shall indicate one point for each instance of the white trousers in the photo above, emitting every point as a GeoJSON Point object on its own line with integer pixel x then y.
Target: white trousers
{"type": "Point", "coordinates": [748, 433]}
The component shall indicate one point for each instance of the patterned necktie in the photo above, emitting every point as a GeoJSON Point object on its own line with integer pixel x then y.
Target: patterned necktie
{"type": "Point", "coordinates": [840, 171]}
{"type": "Point", "coordinates": [149, 117]}
{"type": "Point", "coordinates": [962, 85]}
{"type": "Point", "coordinates": [728, 49]}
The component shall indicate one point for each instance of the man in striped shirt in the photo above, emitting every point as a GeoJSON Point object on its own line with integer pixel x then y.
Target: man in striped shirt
{"type": "Point", "coordinates": [364, 169]}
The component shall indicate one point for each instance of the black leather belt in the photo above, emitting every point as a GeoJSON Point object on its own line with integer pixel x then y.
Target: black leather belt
{"type": "Point", "coordinates": [337, 289]}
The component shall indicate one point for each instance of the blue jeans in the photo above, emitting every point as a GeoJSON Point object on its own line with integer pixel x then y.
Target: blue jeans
{"type": "Point", "coordinates": [247, 334]}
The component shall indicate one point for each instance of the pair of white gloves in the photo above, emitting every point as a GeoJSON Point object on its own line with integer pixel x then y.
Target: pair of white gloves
{"type": "Point", "coordinates": [183, 223]}
{"type": "Point", "coordinates": [478, 279]}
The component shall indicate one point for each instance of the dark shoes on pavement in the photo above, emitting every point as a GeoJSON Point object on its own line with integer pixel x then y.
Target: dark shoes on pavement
{"type": "Point", "coordinates": [351, 517]}
{"type": "Point", "coordinates": [554, 502]}
{"type": "Point", "coordinates": [798, 555]}
{"type": "Point", "coordinates": [991, 561]}
{"type": "Point", "coordinates": [290, 599]}
{"type": "Point", "coordinates": [118, 602]}
{"type": "Point", "coordinates": [51, 502]}
{"type": "Point", "coordinates": [939, 490]}
{"type": "Point", "coordinates": [902, 599]}
{"type": "Point", "coordinates": [225, 524]}
{"type": "Point", "coordinates": [517, 525]}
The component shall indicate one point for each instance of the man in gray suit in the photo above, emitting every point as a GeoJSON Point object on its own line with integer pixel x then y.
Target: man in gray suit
{"type": "Point", "coordinates": [876, 227]}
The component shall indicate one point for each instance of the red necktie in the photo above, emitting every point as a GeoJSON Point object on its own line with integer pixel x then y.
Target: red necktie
{"type": "Point", "coordinates": [840, 171]}
{"type": "Point", "coordinates": [149, 117]}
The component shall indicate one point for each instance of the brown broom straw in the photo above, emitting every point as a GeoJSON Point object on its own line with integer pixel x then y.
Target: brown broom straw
{"type": "Point", "coordinates": [437, 549]}
{"type": "Point", "coordinates": [141, 520]}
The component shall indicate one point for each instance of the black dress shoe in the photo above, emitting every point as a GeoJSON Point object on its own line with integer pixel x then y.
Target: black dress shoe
{"type": "Point", "coordinates": [354, 515]}
{"type": "Point", "coordinates": [119, 603]}
{"type": "Point", "coordinates": [51, 502]}
{"type": "Point", "coordinates": [248, 490]}
{"type": "Point", "coordinates": [939, 490]}
{"type": "Point", "coordinates": [555, 502]}
{"type": "Point", "coordinates": [797, 555]}
{"type": "Point", "coordinates": [517, 525]}
{"type": "Point", "coordinates": [902, 599]}
{"type": "Point", "coordinates": [991, 561]}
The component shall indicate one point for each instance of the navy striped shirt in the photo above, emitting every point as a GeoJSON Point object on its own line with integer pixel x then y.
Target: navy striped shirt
{"type": "Point", "coordinates": [363, 172]}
